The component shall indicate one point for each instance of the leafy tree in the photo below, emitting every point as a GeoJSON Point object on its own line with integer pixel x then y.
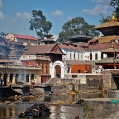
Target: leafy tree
{"type": "Point", "coordinates": [76, 26]}
{"type": "Point", "coordinates": [104, 19]}
{"type": "Point", "coordinates": [114, 3]}
{"type": "Point", "coordinates": [39, 23]}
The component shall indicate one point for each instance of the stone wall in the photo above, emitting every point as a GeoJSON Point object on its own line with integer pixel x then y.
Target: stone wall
{"type": "Point", "coordinates": [99, 109]}
{"type": "Point", "coordinates": [85, 83]}
{"type": "Point", "coordinates": [94, 81]}
{"type": "Point", "coordinates": [113, 94]}
{"type": "Point", "coordinates": [109, 79]}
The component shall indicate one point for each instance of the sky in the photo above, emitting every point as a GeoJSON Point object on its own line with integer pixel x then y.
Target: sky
{"type": "Point", "coordinates": [16, 14]}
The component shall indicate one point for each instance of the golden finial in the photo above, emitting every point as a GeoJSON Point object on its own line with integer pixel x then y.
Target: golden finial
{"type": "Point", "coordinates": [112, 45]}
{"type": "Point", "coordinates": [113, 18]}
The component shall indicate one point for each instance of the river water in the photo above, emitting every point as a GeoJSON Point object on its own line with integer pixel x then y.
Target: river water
{"type": "Point", "coordinates": [61, 106]}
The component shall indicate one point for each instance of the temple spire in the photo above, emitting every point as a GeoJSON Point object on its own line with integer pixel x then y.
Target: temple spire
{"type": "Point", "coordinates": [113, 18]}
{"type": "Point", "coordinates": [112, 45]}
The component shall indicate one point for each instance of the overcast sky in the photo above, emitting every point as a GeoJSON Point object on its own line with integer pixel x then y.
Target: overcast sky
{"type": "Point", "coordinates": [16, 14]}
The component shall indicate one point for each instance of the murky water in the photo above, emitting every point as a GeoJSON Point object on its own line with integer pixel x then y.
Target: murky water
{"type": "Point", "coordinates": [57, 112]}
{"type": "Point", "coordinates": [60, 105]}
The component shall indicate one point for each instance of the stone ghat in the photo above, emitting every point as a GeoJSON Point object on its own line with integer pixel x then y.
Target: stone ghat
{"type": "Point", "coordinates": [7, 103]}
{"type": "Point", "coordinates": [99, 108]}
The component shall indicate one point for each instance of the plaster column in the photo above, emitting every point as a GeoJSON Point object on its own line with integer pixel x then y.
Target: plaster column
{"type": "Point", "coordinates": [38, 79]}
{"type": "Point", "coordinates": [62, 72]}
{"type": "Point", "coordinates": [13, 79]}
{"type": "Point", "coordinates": [44, 68]}
{"type": "Point", "coordinates": [30, 79]}
{"type": "Point", "coordinates": [8, 79]}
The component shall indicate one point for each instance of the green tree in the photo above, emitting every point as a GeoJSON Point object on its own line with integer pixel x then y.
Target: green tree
{"type": "Point", "coordinates": [114, 3]}
{"type": "Point", "coordinates": [104, 19]}
{"type": "Point", "coordinates": [76, 26]}
{"type": "Point", "coordinates": [39, 23]}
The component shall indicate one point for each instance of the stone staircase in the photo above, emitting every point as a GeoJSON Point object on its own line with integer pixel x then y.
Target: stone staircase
{"type": "Point", "coordinates": [53, 81]}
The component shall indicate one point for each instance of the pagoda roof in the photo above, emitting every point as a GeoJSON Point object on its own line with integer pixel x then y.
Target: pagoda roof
{"type": "Point", "coordinates": [111, 23]}
{"type": "Point", "coordinates": [102, 46]}
{"type": "Point", "coordinates": [112, 48]}
{"type": "Point", "coordinates": [108, 24]}
{"type": "Point", "coordinates": [43, 49]}
{"type": "Point", "coordinates": [81, 37]}
{"type": "Point", "coordinates": [108, 60]}
{"type": "Point", "coordinates": [71, 47]}
{"type": "Point", "coordinates": [105, 39]}
{"type": "Point", "coordinates": [98, 46]}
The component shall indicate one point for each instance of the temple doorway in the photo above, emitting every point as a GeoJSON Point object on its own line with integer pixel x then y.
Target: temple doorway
{"type": "Point", "coordinates": [58, 71]}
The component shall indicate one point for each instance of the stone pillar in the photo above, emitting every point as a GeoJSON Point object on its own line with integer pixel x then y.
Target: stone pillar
{"type": "Point", "coordinates": [38, 79]}
{"type": "Point", "coordinates": [106, 77]}
{"type": "Point", "coordinates": [13, 80]}
{"type": "Point", "coordinates": [45, 68]}
{"type": "Point", "coordinates": [8, 79]}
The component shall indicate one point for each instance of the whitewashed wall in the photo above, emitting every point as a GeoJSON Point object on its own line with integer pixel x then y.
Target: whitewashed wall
{"type": "Point", "coordinates": [86, 55]}
{"type": "Point", "coordinates": [72, 54]}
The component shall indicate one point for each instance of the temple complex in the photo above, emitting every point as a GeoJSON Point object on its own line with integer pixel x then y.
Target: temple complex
{"type": "Point", "coordinates": [44, 56]}
{"type": "Point", "coordinates": [112, 60]}
{"type": "Point", "coordinates": [110, 30]}
{"type": "Point", "coordinates": [48, 39]}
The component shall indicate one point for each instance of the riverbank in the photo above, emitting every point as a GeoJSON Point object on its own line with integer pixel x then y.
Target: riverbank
{"type": "Point", "coordinates": [99, 108]}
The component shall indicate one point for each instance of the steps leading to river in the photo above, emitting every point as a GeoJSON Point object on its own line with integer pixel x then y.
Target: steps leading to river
{"type": "Point", "coordinates": [53, 81]}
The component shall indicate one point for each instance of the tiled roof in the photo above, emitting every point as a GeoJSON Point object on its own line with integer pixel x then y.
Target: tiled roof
{"type": "Point", "coordinates": [6, 61]}
{"type": "Point", "coordinates": [93, 40]}
{"type": "Point", "coordinates": [72, 62]}
{"type": "Point", "coordinates": [108, 24]}
{"type": "Point", "coordinates": [70, 47]}
{"type": "Point", "coordinates": [82, 44]}
{"type": "Point", "coordinates": [102, 46]}
{"type": "Point", "coordinates": [105, 39]}
{"type": "Point", "coordinates": [99, 46]}
{"type": "Point", "coordinates": [80, 37]}
{"type": "Point", "coordinates": [110, 50]}
{"type": "Point", "coordinates": [107, 60]}
{"type": "Point", "coordinates": [40, 49]}
{"type": "Point", "coordinates": [25, 37]}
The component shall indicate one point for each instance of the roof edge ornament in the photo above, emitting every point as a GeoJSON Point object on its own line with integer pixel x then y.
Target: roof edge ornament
{"type": "Point", "coordinates": [112, 45]}
{"type": "Point", "coordinates": [113, 18]}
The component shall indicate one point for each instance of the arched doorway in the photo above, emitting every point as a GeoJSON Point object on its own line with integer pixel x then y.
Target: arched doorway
{"type": "Point", "coordinates": [58, 71]}
{"type": "Point", "coordinates": [59, 68]}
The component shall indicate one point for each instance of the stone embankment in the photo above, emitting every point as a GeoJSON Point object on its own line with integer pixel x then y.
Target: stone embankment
{"type": "Point", "coordinates": [99, 108]}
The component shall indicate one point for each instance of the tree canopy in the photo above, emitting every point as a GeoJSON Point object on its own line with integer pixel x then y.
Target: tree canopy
{"type": "Point", "coordinates": [39, 23]}
{"type": "Point", "coordinates": [76, 26]}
